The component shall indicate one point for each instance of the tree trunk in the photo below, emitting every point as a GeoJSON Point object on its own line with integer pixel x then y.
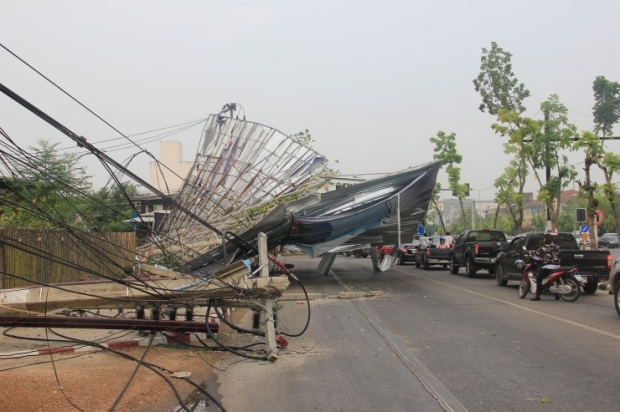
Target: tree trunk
{"type": "Point", "coordinates": [463, 212]}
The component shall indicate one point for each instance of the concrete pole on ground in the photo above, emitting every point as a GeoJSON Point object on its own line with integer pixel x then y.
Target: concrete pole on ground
{"type": "Point", "coordinates": [270, 330]}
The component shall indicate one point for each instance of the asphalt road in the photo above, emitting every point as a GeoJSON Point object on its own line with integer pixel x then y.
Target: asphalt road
{"type": "Point", "coordinates": [431, 341]}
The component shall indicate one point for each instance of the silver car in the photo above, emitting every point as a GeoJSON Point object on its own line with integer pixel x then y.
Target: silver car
{"type": "Point", "coordinates": [608, 240]}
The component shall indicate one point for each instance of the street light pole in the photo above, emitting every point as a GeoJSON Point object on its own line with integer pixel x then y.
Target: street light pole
{"type": "Point", "coordinates": [479, 201]}
{"type": "Point", "coordinates": [473, 214]}
{"type": "Point", "coordinates": [574, 209]}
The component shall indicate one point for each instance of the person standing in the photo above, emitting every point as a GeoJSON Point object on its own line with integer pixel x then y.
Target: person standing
{"type": "Point", "coordinates": [448, 238]}
{"type": "Point", "coordinates": [443, 244]}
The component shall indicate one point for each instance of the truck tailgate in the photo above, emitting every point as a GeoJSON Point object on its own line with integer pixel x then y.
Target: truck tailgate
{"type": "Point", "coordinates": [589, 261]}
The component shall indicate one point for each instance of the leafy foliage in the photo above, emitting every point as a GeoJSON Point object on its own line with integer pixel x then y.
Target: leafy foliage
{"type": "Point", "coordinates": [606, 108]}
{"type": "Point", "coordinates": [117, 207]}
{"type": "Point", "coordinates": [497, 84]}
{"type": "Point", "coordinates": [503, 96]}
{"type": "Point", "coordinates": [47, 192]}
{"type": "Point", "coordinates": [51, 189]}
{"type": "Point", "coordinates": [445, 150]}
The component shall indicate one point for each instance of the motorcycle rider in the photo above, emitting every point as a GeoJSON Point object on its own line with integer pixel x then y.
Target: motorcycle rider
{"type": "Point", "coordinates": [547, 254]}
{"type": "Point", "coordinates": [424, 242]}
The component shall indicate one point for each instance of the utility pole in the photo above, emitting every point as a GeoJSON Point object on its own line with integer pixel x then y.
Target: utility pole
{"type": "Point", "coordinates": [548, 169]}
{"type": "Point", "coordinates": [270, 330]}
{"type": "Point", "coordinates": [473, 214]}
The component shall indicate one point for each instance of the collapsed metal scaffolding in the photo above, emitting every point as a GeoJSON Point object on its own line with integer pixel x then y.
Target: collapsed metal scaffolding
{"type": "Point", "coordinates": [239, 166]}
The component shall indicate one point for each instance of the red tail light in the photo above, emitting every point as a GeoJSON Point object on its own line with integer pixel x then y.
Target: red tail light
{"type": "Point", "coordinates": [428, 252]}
{"type": "Point", "coordinates": [476, 247]}
{"type": "Point", "coordinates": [609, 261]}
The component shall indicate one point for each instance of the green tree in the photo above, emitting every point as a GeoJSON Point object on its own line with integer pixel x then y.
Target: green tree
{"type": "Point", "coordinates": [508, 196]}
{"type": "Point", "coordinates": [113, 206]}
{"type": "Point", "coordinates": [48, 190]}
{"type": "Point", "coordinates": [517, 168]}
{"type": "Point", "coordinates": [606, 108]}
{"type": "Point", "coordinates": [430, 215]}
{"type": "Point", "coordinates": [445, 150]}
{"type": "Point", "coordinates": [503, 96]}
{"type": "Point", "coordinates": [606, 113]}
{"type": "Point", "coordinates": [594, 151]}
{"type": "Point", "coordinates": [556, 135]}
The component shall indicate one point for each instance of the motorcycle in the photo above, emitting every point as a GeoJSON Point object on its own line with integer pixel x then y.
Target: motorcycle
{"type": "Point", "coordinates": [564, 283]}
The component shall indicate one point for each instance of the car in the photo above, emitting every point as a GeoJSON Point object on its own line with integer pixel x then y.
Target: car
{"type": "Point", "coordinates": [608, 240]}
{"type": "Point", "coordinates": [291, 249]}
{"type": "Point", "coordinates": [406, 253]}
{"type": "Point", "coordinates": [416, 240]}
{"type": "Point", "coordinates": [384, 250]}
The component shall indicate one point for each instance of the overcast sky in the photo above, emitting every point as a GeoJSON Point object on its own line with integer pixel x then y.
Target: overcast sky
{"type": "Point", "coordinates": [372, 81]}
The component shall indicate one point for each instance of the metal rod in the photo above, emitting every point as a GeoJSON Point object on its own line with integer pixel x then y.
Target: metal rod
{"type": "Point", "coordinates": [98, 323]}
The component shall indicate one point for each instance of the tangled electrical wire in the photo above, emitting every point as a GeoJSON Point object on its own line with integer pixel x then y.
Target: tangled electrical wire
{"type": "Point", "coordinates": [51, 240]}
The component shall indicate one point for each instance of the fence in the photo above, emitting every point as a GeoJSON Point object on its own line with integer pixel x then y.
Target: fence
{"type": "Point", "coordinates": [30, 257]}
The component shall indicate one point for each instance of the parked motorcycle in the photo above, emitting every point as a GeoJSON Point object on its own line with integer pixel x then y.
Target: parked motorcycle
{"type": "Point", "coordinates": [564, 283]}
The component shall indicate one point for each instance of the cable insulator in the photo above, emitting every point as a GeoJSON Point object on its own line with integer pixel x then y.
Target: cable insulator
{"type": "Point", "coordinates": [189, 314]}
{"type": "Point", "coordinates": [140, 312]}
{"type": "Point", "coordinates": [255, 319]}
{"type": "Point", "coordinates": [155, 313]}
{"type": "Point", "coordinates": [172, 313]}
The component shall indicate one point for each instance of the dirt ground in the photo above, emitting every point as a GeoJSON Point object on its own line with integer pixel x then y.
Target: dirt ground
{"type": "Point", "coordinates": [94, 381]}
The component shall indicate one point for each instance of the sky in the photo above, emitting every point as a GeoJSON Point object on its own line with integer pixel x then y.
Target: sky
{"type": "Point", "coordinates": [372, 81]}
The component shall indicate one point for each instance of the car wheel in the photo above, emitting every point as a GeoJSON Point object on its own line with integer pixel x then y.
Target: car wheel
{"type": "Point", "coordinates": [499, 276]}
{"type": "Point", "coordinates": [524, 288]}
{"type": "Point", "coordinates": [617, 297]}
{"type": "Point", "coordinates": [454, 269]}
{"type": "Point", "coordinates": [590, 287]}
{"type": "Point", "coordinates": [470, 267]}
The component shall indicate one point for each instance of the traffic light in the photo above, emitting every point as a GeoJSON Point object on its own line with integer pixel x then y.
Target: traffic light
{"type": "Point", "coordinates": [465, 188]}
{"type": "Point", "coordinates": [581, 215]}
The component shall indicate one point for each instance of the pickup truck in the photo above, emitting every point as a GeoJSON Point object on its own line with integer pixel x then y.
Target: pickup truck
{"type": "Point", "coordinates": [594, 265]}
{"type": "Point", "coordinates": [477, 249]}
{"type": "Point", "coordinates": [432, 256]}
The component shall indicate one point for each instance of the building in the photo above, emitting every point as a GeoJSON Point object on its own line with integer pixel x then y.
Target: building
{"type": "Point", "coordinates": [168, 174]}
